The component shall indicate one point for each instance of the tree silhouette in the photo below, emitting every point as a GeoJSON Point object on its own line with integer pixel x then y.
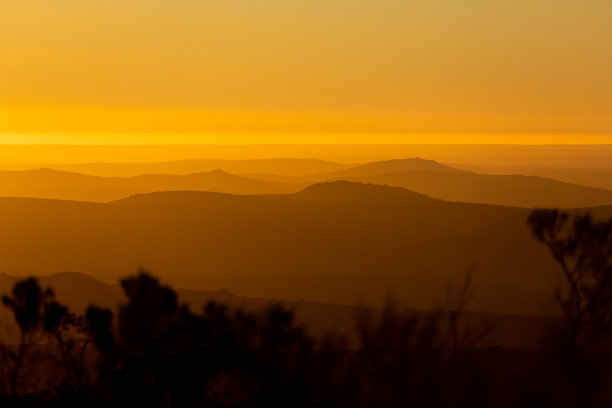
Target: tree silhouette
{"type": "Point", "coordinates": [582, 247]}
{"type": "Point", "coordinates": [163, 354]}
{"type": "Point", "coordinates": [27, 305]}
{"type": "Point", "coordinates": [155, 351]}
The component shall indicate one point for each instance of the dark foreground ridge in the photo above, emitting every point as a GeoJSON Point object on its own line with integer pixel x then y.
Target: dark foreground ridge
{"type": "Point", "coordinates": [156, 351]}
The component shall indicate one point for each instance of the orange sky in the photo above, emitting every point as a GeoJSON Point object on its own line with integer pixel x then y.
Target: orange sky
{"type": "Point", "coordinates": [272, 71]}
{"type": "Point", "coordinates": [298, 138]}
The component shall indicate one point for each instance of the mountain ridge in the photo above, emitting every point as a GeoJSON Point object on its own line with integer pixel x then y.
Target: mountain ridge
{"type": "Point", "coordinates": [436, 181]}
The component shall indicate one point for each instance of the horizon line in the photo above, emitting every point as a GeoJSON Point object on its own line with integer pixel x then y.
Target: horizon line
{"type": "Point", "coordinates": [559, 144]}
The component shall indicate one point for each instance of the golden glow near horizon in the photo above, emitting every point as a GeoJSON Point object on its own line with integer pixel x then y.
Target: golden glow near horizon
{"type": "Point", "coordinates": [299, 71]}
{"type": "Point", "coordinates": [228, 139]}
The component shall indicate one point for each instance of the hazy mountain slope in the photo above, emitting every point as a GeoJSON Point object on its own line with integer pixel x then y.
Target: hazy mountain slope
{"type": "Point", "coordinates": [513, 190]}
{"type": "Point", "coordinates": [216, 180]}
{"type": "Point", "coordinates": [441, 182]}
{"type": "Point", "coordinates": [287, 166]}
{"type": "Point", "coordinates": [437, 180]}
{"type": "Point", "coordinates": [599, 177]}
{"type": "Point", "coordinates": [363, 170]}
{"type": "Point", "coordinates": [392, 166]}
{"type": "Point", "coordinates": [348, 191]}
{"type": "Point", "coordinates": [288, 248]}
{"type": "Point", "coordinates": [47, 183]}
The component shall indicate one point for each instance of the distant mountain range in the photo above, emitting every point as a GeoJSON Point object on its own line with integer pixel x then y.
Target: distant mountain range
{"type": "Point", "coordinates": [513, 190]}
{"type": "Point", "coordinates": [56, 184]}
{"type": "Point", "coordinates": [362, 170]}
{"type": "Point", "coordinates": [425, 177]}
{"type": "Point", "coordinates": [287, 166]}
{"type": "Point", "coordinates": [440, 181]}
{"type": "Point", "coordinates": [392, 166]}
{"type": "Point", "coordinates": [336, 242]}
{"type": "Point", "coordinates": [346, 191]}
{"type": "Point", "coordinates": [599, 177]}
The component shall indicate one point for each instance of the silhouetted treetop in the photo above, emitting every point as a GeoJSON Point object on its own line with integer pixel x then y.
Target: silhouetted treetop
{"type": "Point", "coordinates": [583, 248]}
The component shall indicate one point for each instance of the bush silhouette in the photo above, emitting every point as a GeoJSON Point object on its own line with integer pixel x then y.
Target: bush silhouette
{"type": "Point", "coordinates": [155, 351]}
{"type": "Point", "coordinates": [583, 249]}
{"type": "Point", "coordinates": [162, 354]}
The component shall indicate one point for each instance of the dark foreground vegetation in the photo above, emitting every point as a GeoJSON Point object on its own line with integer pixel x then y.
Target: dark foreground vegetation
{"type": "Point", "coordinates": [157, 352]}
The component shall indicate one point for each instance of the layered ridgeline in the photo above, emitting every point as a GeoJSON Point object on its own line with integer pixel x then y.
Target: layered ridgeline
{"type": "Point", "coordinates": [285, 166]}
{"type": "Point", "coordinates": [336, 242]}
{"type": "Point", "coordinates": [62, 185]}
{"type": "Point", "coordinates": [595, 176]}
{"type": "Point", "coordinates": [423, 176]}
{"type": "Point", "coordinates": [451, 184]}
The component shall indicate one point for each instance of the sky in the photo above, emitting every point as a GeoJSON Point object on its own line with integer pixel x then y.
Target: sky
{"type": "Point", "coordinates": [283, 71]}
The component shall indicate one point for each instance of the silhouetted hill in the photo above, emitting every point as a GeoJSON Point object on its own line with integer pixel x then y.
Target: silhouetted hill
{"type": "Point", "coordinates": [201, 199]}
{"type": "Point", "coordinates": [287, 247]}
{"type": "Point", "coordinates": [392, 166]}
{"type": "Point", "coordinates": [47, 183]}
{"type": "Point", "coordinates": [591, 175]}
{"type": "Point", "coordinates": [55, 184]}
{"type": "Point", "coordinates": [514, 190]}
{"type": "Point", "coordinates": [288, 166]}
{"type": "Point", "coordinates": [350, 191]}
{"type": "Point", "coordinates": [439, 181]}
{"type": "Point", "coordinates": [291, 246]}
{"type": "Point", "coordinates": [216, 180]}
{"type": "Point", "coordinates": [368, 169]}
